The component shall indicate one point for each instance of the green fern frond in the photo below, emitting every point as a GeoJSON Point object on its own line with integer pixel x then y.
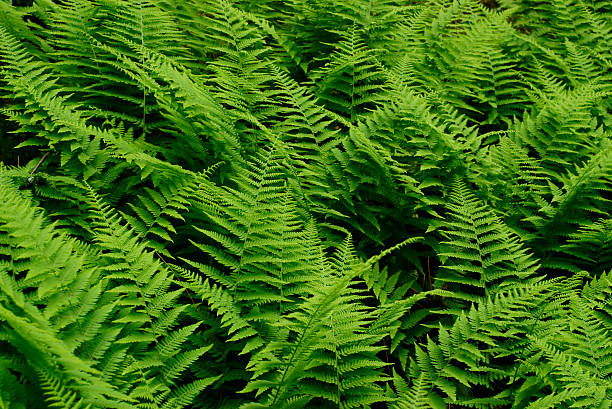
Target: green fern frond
{"type": "Point", "coordinates": [330, 356]}
{"type": "Point", "coordinates": [351, 83]}
{"type": "Point", "coordinates": [483, 255]}
{"type": "Point", "coordinates": [155, 213]}
{"type": "Point", "coordinates": [416, 397]}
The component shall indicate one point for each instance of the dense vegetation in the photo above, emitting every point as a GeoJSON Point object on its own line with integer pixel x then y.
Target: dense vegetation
{"type": "Point", "coordinates": [305, 204]}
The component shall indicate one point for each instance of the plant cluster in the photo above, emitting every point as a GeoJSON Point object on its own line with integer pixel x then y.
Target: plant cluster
{"type": "Point", "coordinates": [248, 204]}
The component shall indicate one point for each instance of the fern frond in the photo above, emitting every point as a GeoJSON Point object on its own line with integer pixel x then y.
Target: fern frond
{"type": "Point", "coordinates": [416, 397]}
{"type": "Point", "coordinates": [483, 255]}
{"type": "Point", "coordinates": [350, 83]}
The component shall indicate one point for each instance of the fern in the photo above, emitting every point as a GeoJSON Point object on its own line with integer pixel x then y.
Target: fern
{"type": "Point", "coordinates": [261, 249]}
{"type": "Point", "coordinates": [201, 202]}
{"type": "Point", "coordinates": [483, 256]}
{"type": "Point", "coordinates": [150, 307]}
{"type": "Point", "coordinates": [416, 397]}
{"type": "Point", "coordinates": [65, 312]}
{"type": "Point", "coordinates": [326, 359]}
{"type": "Point", "coordinates": [239, 72]}
{"type": "Point", "coordinates": [346, 84]}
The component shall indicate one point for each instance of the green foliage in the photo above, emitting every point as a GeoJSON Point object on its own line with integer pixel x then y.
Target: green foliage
{"type": "Point", "coordinates": [305, 204]}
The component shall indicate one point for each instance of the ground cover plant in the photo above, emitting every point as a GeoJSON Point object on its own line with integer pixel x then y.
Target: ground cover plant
{"type": "Point", "coordinates": [221, 204]}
